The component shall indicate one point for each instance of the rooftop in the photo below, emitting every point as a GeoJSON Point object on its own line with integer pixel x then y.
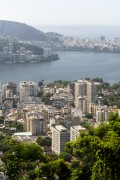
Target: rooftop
{"type": "Point", "coordinates": [61, 128]}
{"type": "Point", "coordinates": [23, 134]}
{"type": "Point", "coordinates": [78, 128]}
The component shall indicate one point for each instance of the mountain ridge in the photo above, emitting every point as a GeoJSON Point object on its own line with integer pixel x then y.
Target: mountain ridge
{"type": "Point", "coordinates": [22, 31]}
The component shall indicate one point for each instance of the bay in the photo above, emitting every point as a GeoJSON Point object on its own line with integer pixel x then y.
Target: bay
{"type": "Point", "coordinates": [72, 65]}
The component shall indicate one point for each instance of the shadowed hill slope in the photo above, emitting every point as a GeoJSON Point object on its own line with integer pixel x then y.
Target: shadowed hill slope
{"type": "Point", "coordinates": [21, 31]}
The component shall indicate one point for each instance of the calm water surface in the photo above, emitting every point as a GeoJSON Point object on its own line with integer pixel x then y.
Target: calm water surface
{"type": "Point", "coordinates": [71, 66]}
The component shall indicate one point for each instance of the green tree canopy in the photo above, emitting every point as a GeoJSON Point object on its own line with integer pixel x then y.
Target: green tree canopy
{"type": "Point", "coordinates": [98, 151]}
{"type": "Point", "coordinates": [66, 156]}
{"type": "Point", "coordinates": [46, 141]}
{"type": "Point", "coordinates": [22, 158]}
{"type": "Point", "coordinates": [53, 170]}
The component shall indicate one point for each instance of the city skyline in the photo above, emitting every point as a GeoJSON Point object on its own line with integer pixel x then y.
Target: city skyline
{"type": "Point", "coordinates": [77, 12]}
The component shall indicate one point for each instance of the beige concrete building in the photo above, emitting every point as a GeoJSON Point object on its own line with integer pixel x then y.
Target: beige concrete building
{"type": "Point", "coordinates": [27, 88]}
{"type": "Point", "coordinates": [23, 137]}
{"type": "Point", "coordinates": [81, 103]}
{"type": "Point", "coordinates": [60, 135]}
{"type": "Point", "coordinates": [102, 114]}
{"type": "Point", "coordinates": [91, 91]}
{"type": "Point", "coordinates": [80, 88]}
{"type": "Point", "coordinates": [85, 94]}
{"type": "Point", "coordinates": [36, 125]}
{"type": "Point", "coordinates": [9, 89]}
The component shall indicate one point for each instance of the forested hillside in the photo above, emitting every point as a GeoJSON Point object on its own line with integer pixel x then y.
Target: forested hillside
{"type": "Point", "coordinates": [21, 31]}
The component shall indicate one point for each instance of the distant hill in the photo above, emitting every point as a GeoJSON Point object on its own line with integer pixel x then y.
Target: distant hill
{"type": "Point", "coordinates": [21, 31]}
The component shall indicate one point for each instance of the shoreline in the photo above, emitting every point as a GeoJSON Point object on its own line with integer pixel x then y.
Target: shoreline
{"type": "Point", "coordinates": [79, 50]}
{"type": "Point", "coordinates": [53, 57]}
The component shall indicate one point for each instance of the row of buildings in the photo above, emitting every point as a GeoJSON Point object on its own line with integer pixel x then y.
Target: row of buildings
{"type": "Point", "coordinates": [25, 90]}
{"type": "Point", "coordinates": [98, 44]}
{"type": "Point", "coordinates": [10, 55]}
{"type": "Point", "coordinates": [61, 135]}
{"type": "Point", "coordinates": [82, 93]}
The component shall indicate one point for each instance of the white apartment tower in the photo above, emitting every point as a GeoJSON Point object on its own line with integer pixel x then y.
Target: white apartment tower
{"type": "Point", "coordinates": [75, 131]}
{"type": "Point", "coordinates": [27, 88]}
{"type": "Point", "coordinates": [80, 88]}
{"type": "Point", "coordinates": [85, 93]}
{"type": "Point", "coordinates": [81, 103]}
{"type": "Point", "coordinates": [60, 135]}
{"type": "Point", "coordinates": [91, 91]}
{"type": "Point", "coordinates": [102, 114]}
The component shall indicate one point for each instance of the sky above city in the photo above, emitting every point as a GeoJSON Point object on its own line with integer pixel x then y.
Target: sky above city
{"type": "Point", "coordinates": [61, 12]}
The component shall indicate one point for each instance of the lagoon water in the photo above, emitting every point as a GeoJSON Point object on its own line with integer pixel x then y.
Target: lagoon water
{"type": "Point", "coordinates": [72, 65]}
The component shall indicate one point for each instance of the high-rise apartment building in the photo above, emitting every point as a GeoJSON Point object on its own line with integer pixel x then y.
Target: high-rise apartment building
{"type": "Point", "coordinates": [60, 135]}
{"type": "Point", "coordinates": [36, 125]}
{"type": "Point", "coordinates": [80, 88]}
{"type": "Point", "coordinates": [9, 89]}
{"type": "Point", "coordinates": [85, 93]}
{"type": "Point", "coordinates": [0, 98]}
{"type": "Point", "coordinates": [91, 91]}
{"type": "Point", "coordinates": [75, 131]}
{"type": "Point", "coordinates": [27, 88]}
{"type": "Point", "coordinates": [102, 114]}
{"type": "Point", "coordinates": [81, 103]}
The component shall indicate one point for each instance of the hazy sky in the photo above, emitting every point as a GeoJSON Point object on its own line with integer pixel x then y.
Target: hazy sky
{"type": "Point", "coordinates": [61, 12]}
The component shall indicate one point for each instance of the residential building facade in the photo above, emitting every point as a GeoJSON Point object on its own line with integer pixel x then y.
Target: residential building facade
{"type": "Point", "coordinates": [75, 131]}
{"type": "Point", "coordinates": [27, 88]}
{"type": "Point", "coordinates": [60, 135]}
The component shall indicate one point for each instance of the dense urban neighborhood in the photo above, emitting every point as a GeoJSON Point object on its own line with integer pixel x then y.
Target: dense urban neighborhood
{"type": "Point", "coordinates": [43, 124]}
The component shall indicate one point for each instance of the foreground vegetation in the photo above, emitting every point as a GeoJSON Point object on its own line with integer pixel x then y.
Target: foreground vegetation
{"type": "Point", "coordinates": [94, 155]}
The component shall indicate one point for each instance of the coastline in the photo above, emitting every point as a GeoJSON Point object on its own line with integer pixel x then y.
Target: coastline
{"type": "Point", "coordinates": [84, 50]}
{"type": "Point", "coordinates": [52, 57]}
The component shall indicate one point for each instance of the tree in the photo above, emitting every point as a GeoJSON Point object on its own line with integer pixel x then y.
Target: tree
{"type": "Point", "coordinates": [45, 98]}
{"type": "Point", "coordinates": [89, 116]}
{"type": "Point", "coordinates": [53, 170]}
{"type": "Point", "coordinates": [46, 141]}
{"type": "Point", "coordinates": [97, 151]}
{"type": "Point", "coordinates": [1, 120]}
{"type": "Point", "coordinates": [97, 79]}
{"type": "Point", "coordinates": [66, 156]}
{"type": "Point", "coordinates": [40, 83]}
{"type": "Point", "coordinates": [116, 85]}
{"type": "Point", "coordinates": [6, 142]}
{"type": "Point", "coordinates": [65, 83]}
{"type": "Point", "coordinates": [40, 93]}
{"type": "Point", "coordinates": [21, 159]}
{"type": "Point", "coordinates": [58, 82]}
{"type": "Point", "coordinates": [19, 126]}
